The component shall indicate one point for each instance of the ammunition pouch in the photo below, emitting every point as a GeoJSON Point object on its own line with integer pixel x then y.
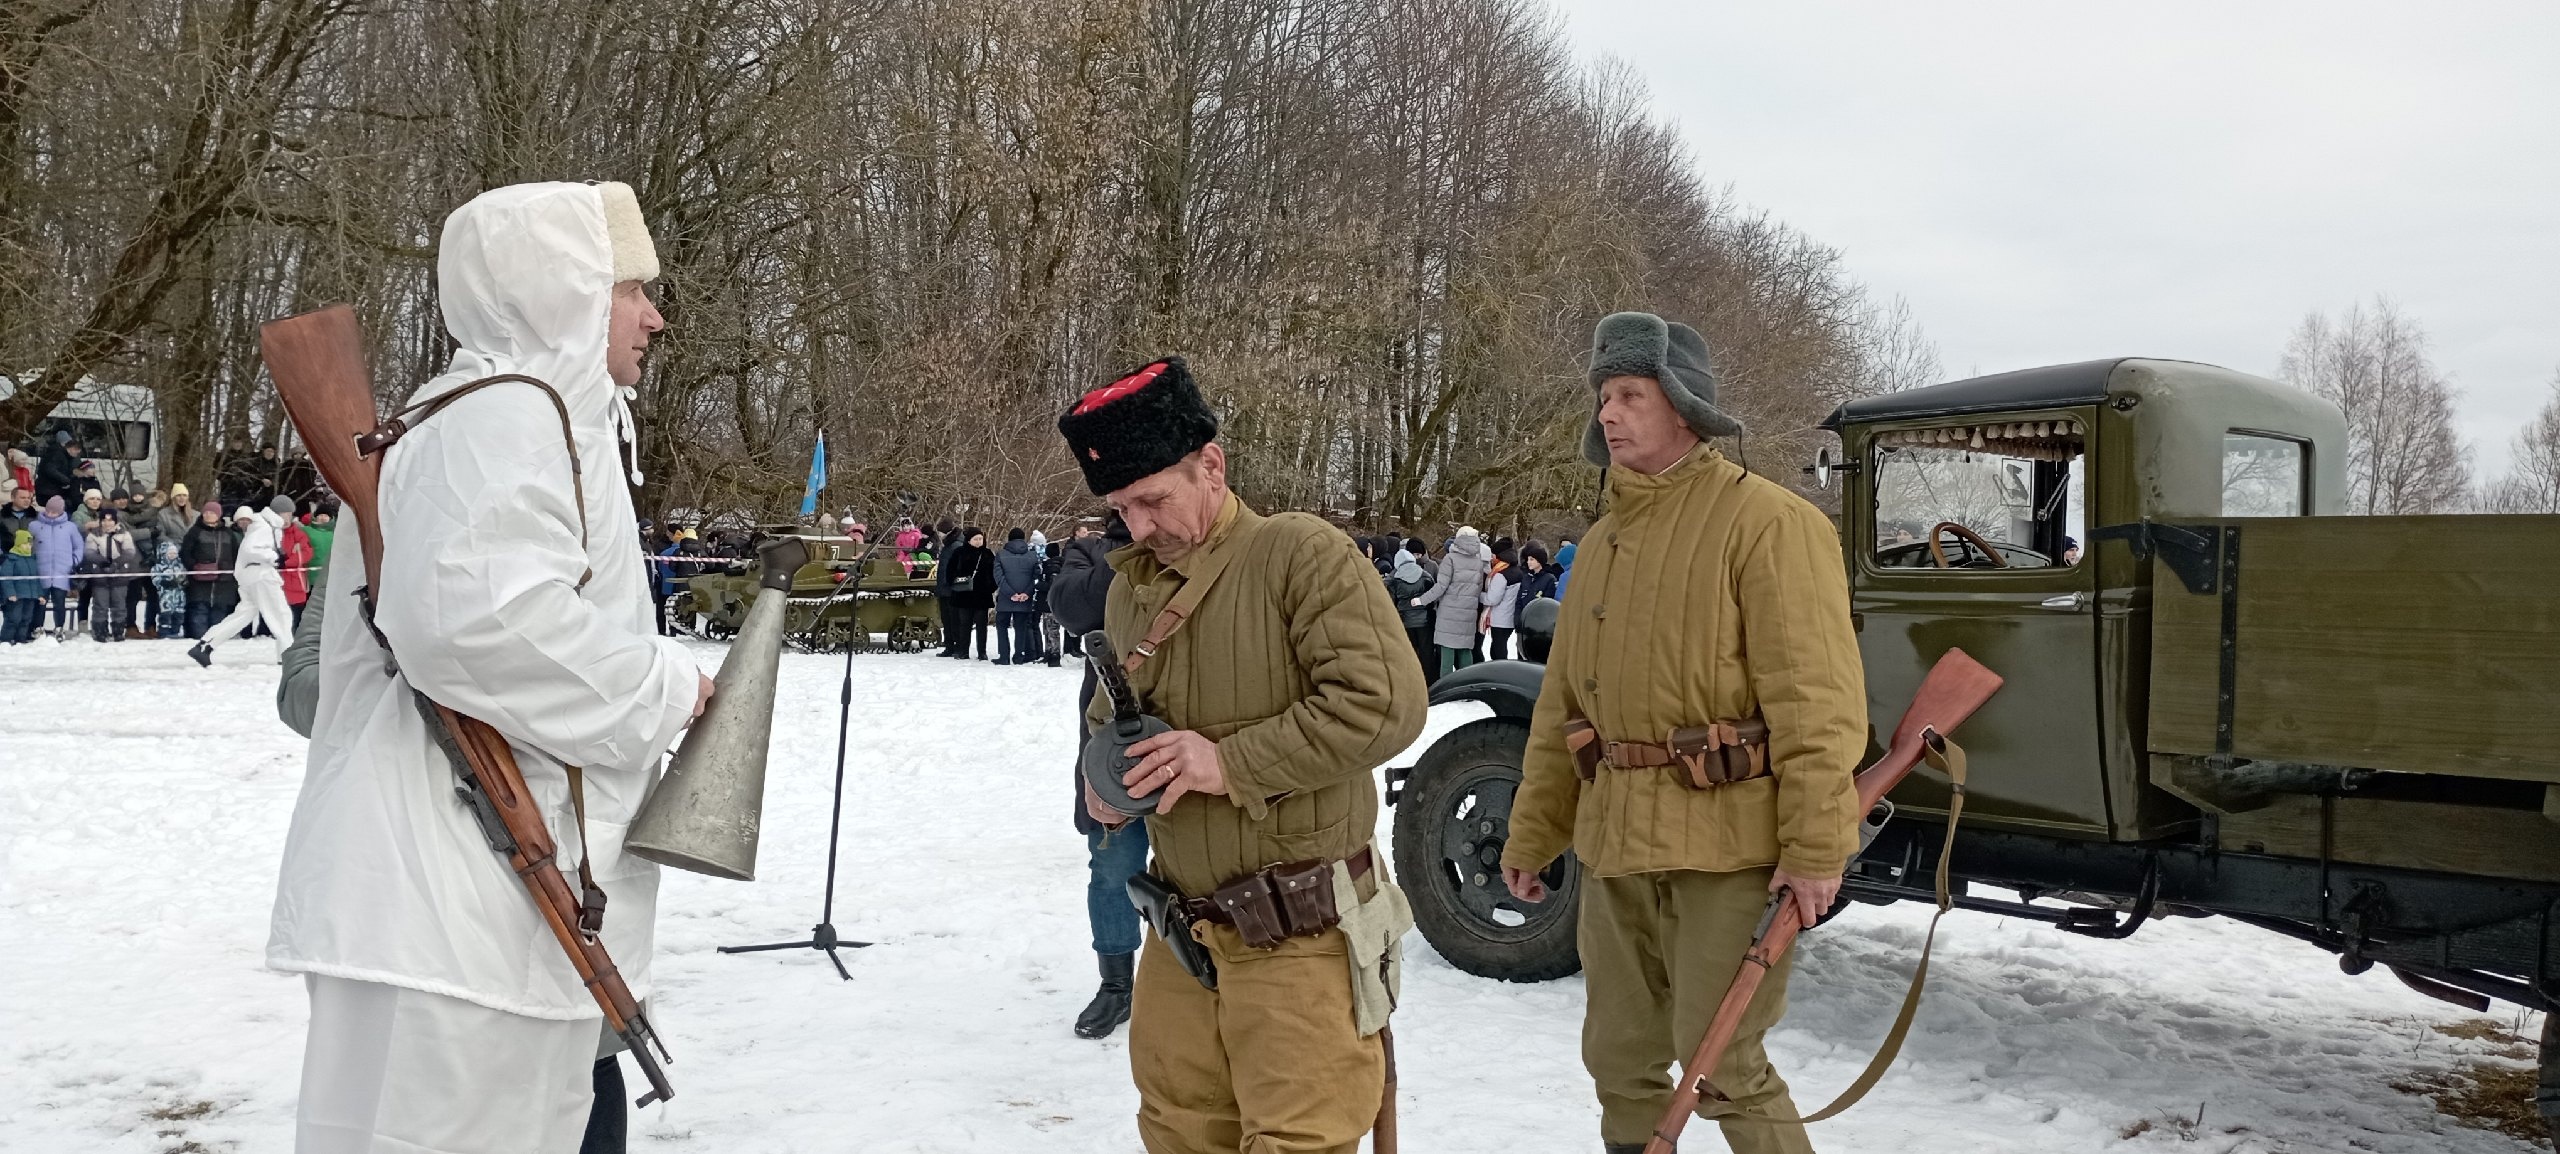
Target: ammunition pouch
{"type": "Point", "coordinates": [1704, 756]}
{"type": "Point", "coordinates": [1169, 913]}
{"type": "Point", "coordinates": [1295, 900]}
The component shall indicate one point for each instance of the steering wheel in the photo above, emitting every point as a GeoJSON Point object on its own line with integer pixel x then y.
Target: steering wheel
{"type": "Point", "coordinates": [1938, 553]}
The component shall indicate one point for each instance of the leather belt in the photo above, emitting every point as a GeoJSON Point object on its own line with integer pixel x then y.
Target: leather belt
{"type": "Point", "coordinates": [1706, 756]}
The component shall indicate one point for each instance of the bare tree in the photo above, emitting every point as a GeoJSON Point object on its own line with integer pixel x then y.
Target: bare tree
{"type": "Point", "coordinates": [2402, 454]}
{"type": "Point", "coordinates": [2532, 481]}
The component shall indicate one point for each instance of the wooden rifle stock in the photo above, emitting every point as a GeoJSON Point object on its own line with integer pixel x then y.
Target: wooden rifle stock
{"type": "Point", "coordinates": [1956, 686]}
{"type": "Point", "coordinates": [318, 362]}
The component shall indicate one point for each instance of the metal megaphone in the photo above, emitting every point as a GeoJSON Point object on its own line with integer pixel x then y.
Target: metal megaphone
{"type": "Point", "coordinates": [705, 813]}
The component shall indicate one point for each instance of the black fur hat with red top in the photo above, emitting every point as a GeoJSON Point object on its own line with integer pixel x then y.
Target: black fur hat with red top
{"type": "Point", "coordinates": [1142, 423]}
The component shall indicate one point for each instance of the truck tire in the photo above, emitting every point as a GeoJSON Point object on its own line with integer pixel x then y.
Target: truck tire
{"type": "Point", "coordinates": [1449, 829]}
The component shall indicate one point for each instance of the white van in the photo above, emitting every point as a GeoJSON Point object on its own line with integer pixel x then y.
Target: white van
{"type": "Point", "coordinates": [114, 425]}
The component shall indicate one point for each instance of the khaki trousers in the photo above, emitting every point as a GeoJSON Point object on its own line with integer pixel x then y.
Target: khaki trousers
{"type": "Point", "coordinates": [1658, 950]}
{"type": "Point", "coordinates": [1268, 1063]}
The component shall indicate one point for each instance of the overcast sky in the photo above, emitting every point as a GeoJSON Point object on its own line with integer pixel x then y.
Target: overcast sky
{"type": "Point", "coordinates": [2056, 182]}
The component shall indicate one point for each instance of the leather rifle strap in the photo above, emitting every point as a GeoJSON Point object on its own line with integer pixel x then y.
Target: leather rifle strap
{"type": "Point", "coordinates": [396, 426]}
{"type": "Point", "coordinates": [1186, 601]}
{"type": "Point", "coordinates": [590, 895]}
{"type": "Point", "coordinates": [1948, 760]}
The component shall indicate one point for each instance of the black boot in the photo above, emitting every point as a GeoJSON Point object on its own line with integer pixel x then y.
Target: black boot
{"type": "Point", "coordinates": [203, 654]}
{"type": "Point", "coordinates": [1110, 1004]}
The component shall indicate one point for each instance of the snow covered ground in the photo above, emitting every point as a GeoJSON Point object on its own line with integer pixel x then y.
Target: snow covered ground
{"type": "Point", "coordinates": [143, 801]}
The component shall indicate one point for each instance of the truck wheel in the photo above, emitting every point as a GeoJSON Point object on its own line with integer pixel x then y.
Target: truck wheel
{"type": "Point", "coordinates": [1449, 830]}
{"type": "Point", "coordinates": [2546, 1090]}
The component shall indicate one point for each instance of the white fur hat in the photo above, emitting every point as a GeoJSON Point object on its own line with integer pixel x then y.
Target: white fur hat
{"type": "Point", "coordinates": [635, 256]}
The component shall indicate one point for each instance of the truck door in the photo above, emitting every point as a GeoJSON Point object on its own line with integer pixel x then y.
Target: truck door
{"type": "Point", "coordinates": [1971, 537]}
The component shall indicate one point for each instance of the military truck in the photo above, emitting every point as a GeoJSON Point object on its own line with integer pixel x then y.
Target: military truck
{"type": "Point", "coordinates": [2223, 698]}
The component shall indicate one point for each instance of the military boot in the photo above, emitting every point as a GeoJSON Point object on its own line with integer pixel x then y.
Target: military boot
{"type": "Point", "coordinates": [1110, 1004]}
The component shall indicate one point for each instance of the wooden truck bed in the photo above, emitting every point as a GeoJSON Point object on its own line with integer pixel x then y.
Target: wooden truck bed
{"type": "Point", "coordinates": [2403, 644]}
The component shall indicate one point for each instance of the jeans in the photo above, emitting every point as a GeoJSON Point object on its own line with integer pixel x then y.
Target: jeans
{"type": "Point", "coordinates": [1113, 857]}
{"type": "Point", "coordinates": [1018, 636]}
{"type": "Point", "coordinates": [61, 616]}
{"type": "Point", "coordinates": [200, 616]}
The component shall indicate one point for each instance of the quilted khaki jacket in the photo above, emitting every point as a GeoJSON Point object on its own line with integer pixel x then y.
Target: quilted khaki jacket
{"type": "Point", "coordinates": [1706, 594]}
{"type": "Point", "coordinates": [1297, 666]}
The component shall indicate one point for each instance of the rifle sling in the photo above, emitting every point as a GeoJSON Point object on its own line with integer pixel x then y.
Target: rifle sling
{"type": "Point", "coordinates": [1949, 761]}
{"type": "Point", "coordinates": [1186, 601]}
{"type": "Point", "coordinates": [396, 426]}
{"type": "Point", "coordinates": [591, 900]}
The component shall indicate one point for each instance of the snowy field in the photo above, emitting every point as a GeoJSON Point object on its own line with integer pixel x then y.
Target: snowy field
{"type": "Point", "coordinates": [143, 802]}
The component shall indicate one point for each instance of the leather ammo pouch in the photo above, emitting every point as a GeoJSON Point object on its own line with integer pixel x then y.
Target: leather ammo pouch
{"type": "Point", "coordinates": [1285, 901]}
{"type": "Point", "coordinates": [1165, 909]}
{"type": "Point", "coordinates": [1722, 752]}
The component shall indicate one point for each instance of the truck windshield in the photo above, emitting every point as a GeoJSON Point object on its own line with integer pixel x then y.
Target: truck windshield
{"type": "Point", "coordinates": [1979, 497]}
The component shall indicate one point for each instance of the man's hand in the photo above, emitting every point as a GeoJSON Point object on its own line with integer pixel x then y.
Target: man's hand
{"type": "Point", "coordinates": [1525, 885]}
{"type": "Point", "coordinates": [1813, 895]}
{"type": "Point", "coordinates": [1093, 808]}
{"type": "Point", "coordinates": [1179, 762]}
{"type": "Point", "coordinates": [1022, 597]}
{"type": "Point", "coordinates": [701, 695]}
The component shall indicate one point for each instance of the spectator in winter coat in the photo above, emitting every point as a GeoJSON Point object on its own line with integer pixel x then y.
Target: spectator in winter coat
{"type": "Point", "coordinates": [1407, 581]}
{"type": "Point", "coordinates": [1112, 856]}
{"type": "Point", "coordinates": [111, 562]}
{"type": "Point", "coordinates": [21, 594]}
{"type": "Point", "coordinates": [1017, 601]}
{"type": "Point", "coordinates": [296, 562]}
{"type": "Point", "coordinates": [1564, 564]}
{"type": "Point", "coordinates": [179, 516]}
{"type": "Point", "coordinates": [323, 530]}
{"type": "Point", "coordinates": [91, 501]}
{"type": "Point", "coordinates": [1537, 579]}
{"type": "Point", "coordinates": [59, 547]}
{"type": "Point", "coordinates": [20, 512]}
{"type": "Point", "coordinates": [141, 519]}
{"type": "Point", "coordinates": [209, 550]}
{"type": "Point", "coordinates": [22, 472]}
{"type": "Point", "coordinates": [55, 472]}
{"type": "Point", "coordinates": [1052, 639]}
{"type": "Point", "coordinates": [169, 588]}
{"type": "Point", "coordinates": [905, 540]}
{"type": "Point", "coordinates": [972, 577]}
{"type": "Point", "coordinates": [954, 623]}
{"type": "Point", "coordinates": [1501, 613]}
{"type": "Point", "coordinates": [1458, 593]}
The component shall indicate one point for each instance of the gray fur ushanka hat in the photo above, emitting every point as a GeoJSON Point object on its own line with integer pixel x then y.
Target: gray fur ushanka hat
{"type": "Point", "coordinates": [1645, 345]}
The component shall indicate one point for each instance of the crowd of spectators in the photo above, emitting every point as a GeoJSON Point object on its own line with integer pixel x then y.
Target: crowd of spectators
{"type": "Point", "coordinates": [114, 565]}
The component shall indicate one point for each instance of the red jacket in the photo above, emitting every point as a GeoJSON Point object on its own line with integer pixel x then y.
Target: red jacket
{"type": "Point", "coordinates": [297, 557]}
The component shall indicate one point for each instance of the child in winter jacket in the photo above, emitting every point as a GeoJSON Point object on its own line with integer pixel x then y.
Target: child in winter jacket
{"type": "Point", "coordinates": [169, 583]}
{"type": "Point", "coordinates": [111, 561]}
{"type": "Point", "coordinates": [21, 593]}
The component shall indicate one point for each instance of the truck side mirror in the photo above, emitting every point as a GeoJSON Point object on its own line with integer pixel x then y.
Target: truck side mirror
{"type": "Point", "coordinates": [1825, 465]}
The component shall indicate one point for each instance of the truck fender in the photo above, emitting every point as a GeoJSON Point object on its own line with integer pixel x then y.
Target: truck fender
{"type": "Point", "coordinates": [1510, 687]}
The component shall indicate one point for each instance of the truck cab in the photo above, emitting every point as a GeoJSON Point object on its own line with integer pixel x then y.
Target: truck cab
{"type": "Point", "coordinates": [2005, 515]}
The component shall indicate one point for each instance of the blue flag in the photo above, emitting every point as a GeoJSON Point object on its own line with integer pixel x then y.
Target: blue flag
{"type": "Point", "coordinates": [817, 477]}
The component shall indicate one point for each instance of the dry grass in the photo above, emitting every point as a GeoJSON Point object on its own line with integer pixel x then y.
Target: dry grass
{"type": "Point", "coordinates": [2488, 1095]}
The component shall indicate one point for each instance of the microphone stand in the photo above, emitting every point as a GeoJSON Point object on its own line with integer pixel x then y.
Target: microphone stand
{"type": "Point", "coordinates": [823, 937]}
